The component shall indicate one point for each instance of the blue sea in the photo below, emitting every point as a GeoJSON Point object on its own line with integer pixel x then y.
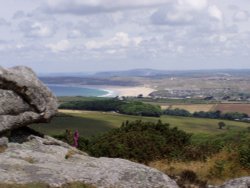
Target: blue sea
{"type": "Point", "coordinates": [64, 90]}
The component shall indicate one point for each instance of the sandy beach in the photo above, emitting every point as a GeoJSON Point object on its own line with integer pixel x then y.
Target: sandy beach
{"type": "Point", "coordinates": [128, 91]}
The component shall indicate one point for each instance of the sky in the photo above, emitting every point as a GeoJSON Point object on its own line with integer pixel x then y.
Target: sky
{"type": "Point", "coordinates": [101, 35]}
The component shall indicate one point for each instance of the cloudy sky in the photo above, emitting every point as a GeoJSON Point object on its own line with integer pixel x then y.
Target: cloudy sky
{"type": "Point", "coordinates": [98, 35]}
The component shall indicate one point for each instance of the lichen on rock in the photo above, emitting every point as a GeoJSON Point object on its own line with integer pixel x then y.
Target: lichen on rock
{"type": "Point", "coordinates": [44, 160]}
{"type": "Point", "coordinates": [24, 99]}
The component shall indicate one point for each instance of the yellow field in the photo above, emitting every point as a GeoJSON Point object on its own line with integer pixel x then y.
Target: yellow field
{"type": "Point", "coordinates": [193, 107]}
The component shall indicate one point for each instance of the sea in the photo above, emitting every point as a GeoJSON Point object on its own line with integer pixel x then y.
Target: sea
{"type": "Point", "coordinates": [68, 90]}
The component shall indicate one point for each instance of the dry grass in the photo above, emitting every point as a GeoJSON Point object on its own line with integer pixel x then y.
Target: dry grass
{"type": "Point", "coordinates": [193, 107]}
{"type": "Point", "coordinates": [70, 154]}
{"type": "Point", "coordinates": [216, 170]}
{"type": "Point", "coordinates": [2, 149]}
{"type": "Point", "coordinates": [29, 160]}
{"type": "Point", "coordinates": [165, 107]}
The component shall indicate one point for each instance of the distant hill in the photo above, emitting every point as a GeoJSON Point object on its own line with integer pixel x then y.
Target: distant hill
{"type": "Point", "coordinates": [88, 81]}
{"type": "Point", "coordinates": [66, 74]}
{"type": "Point", "coordinates": [133, 73]}
{"type": "Point", "coordinates": [170, 73]}
{"type": "Point", "coordinates": [152, 73]}
{"type": "Point", "coordinates": [158, 78]}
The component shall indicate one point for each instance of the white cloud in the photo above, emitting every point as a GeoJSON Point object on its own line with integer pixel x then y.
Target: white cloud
{"type": "Point", "coordinates": [41, 30]}
{"type": "Point", "coordinates": [241, 16]}
{"type": "Point", "coordinates": [3, 22]}
{"type": "Point", "coordinates": [215, 12]}
{"type": "Point", "coordinates": [215, 38]}
{"type": "Point", "coordinates": [180, 12]}
{"type": "Point", "coordinates": [74, 33]}
{"type": "Point", "coordinates": [178, 28]}
{"type": "Point", "coordinates": [97, 6]}
{"type": "Point", "coordinates": [10, 45]}
{"type": "Point", "coordinates": [18, 15]}
{"type": "Point", "coordinates": [120, 39]}
{"type": "Point", "coordinates": [36, 29]}
{"type": "Point", "coordinates": [60, 46]}
{"type": "Point", "coordinates": [193, 4]}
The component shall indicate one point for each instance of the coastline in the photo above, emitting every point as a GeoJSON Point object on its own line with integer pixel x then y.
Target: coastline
{"type": "Point", "coordinates": [113, 91]}
{"type": "Point", "coordinates": [110, 93]}
{"type": "Point", "coordinates": [129, 91]}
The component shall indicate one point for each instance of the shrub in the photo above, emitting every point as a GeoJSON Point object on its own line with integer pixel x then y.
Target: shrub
{"type": "Point", "coordinates": [188, 175]}
{"type": "Point", "coordinates": [96, 105]}
{"type": "Point", "coordinates": [189, 178]}
{"type": "Point", "coordinates": [244, 155]}
{"type": "Point", "coordinates": [177, 112]}
{"type": "Point", "coordinates": [140, 109]}
{"type": "Point", "coordinates": [221, 125]}
{"type": "Point", "coordinates": [140, 141]}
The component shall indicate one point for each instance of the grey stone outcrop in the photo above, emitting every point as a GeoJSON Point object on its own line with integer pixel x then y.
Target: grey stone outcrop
{"type": "Point", "coordinates": [55, 163]}
{"type": "Point", "coordinates": [24, 99]}
{"type": "Point", "coordinates": [243, 182]}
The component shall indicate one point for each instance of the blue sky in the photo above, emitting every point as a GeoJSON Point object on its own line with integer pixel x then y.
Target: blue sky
{"type": "Point", "coordinates": [100, 35]}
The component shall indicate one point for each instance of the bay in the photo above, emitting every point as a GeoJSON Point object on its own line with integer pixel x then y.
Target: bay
{"type": "Point", "coordinates": [66, 90]}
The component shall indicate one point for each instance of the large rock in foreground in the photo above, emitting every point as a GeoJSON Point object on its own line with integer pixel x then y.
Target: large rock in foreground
{"type": "Point", "coordinates": [243, 182]}
{"type": "Point", "coordinates": [55, 163]}
{"type": "Point", "coordinates": [24, 99]}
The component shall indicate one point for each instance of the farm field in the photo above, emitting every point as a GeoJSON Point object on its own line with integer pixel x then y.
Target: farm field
{"type": "Point", "coordinates": [90, 123]}
{"type": "Point", "coordinates": [243, 108]}
{"type": "Point", "coordinates": [194, 107]}
{"type": "Point", "coordinates": [223, 107]}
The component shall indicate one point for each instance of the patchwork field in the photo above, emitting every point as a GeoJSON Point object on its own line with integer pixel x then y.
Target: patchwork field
{"type": "Point", "coordinates": [243, 108]}
{"type": "Point", "coordinates": [194, 107]}
{"type": "Point", "coordinates": [224, 108]}
{"type": "Point", "coordinates": [90, 123]}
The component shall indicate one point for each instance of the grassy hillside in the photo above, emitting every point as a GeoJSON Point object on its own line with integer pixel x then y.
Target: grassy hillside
{"type": "Point", "coordinates": [90, 123]}
{"type": "Point", "coordinates": [220, 147]}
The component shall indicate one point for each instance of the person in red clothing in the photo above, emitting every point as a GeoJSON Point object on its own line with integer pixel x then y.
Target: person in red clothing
{"type": "Point", "coordinates": [76, 138]}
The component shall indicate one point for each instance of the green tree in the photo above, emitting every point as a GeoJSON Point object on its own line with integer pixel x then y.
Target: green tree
{"type": "Point", "coordinates": [221, 124]}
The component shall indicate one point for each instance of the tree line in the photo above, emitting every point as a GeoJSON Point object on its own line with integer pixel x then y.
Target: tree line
{"type": "Point", "coordinates": [123, 107]}
{"type": "Point", "coordinates": [143, 109]}
{"type": "Point", "coordinates": [201, 114]}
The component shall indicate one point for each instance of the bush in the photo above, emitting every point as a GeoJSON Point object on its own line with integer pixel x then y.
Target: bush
{"type": "Point", "coordinates": [188, 175]}
{"type": "Point", "coordinates": [96, 105]}
{"type": "Point", "coordinates": [189, 178]}
{"type": "Point", "coordinates": [221, 125]}
{"type": "Point", "coordinates": [140, 109]}
{"type": "Point", "coordinates": [244, 155]}
{"type": "Point", "coordinates": [177, 112]}
{"type": "Point", "coordinates": [141, 141]}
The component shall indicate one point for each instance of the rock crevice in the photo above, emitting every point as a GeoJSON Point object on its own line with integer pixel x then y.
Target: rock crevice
{"type": "Point", "coordinates": [24, 99]}
{"type": "Point", "coordinates": [55, 163]}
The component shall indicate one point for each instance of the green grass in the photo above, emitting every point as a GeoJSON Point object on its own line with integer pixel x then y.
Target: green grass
{"type": "Point", "coordinates": [93, 123]}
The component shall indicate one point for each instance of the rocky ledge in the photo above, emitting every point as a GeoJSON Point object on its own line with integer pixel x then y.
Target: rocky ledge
{"type": "Point", "coordinates": [55, 163]}
{"type": "Point", "coordinates": [24, 99]}
{"type": "Point", "coordinates": [243, 182]}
